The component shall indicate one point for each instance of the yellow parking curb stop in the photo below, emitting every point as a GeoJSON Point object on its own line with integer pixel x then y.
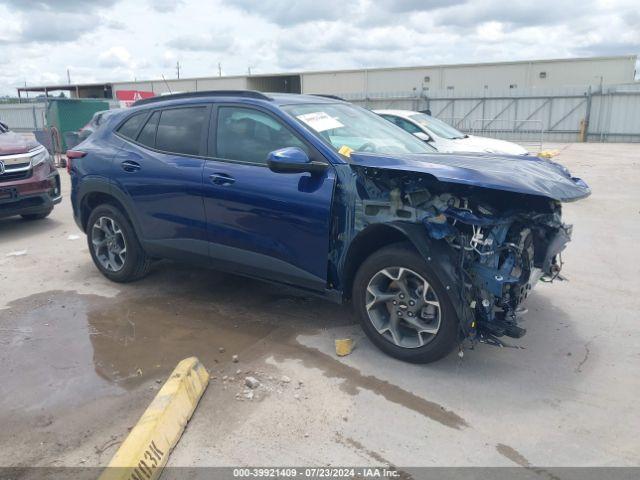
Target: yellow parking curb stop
{"type": "Point", "coordinates": [146, 450]}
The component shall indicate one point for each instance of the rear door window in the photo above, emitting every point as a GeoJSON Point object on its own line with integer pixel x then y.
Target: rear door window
{"type": "Point", "coordinates": [180, 130]}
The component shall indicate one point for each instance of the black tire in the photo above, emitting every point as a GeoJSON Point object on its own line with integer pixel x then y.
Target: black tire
{"type": "Point", "coordinates": [136, 264]}
{"type": "Point", "coordinates": [404, 255]}
{"type": "Point", "coordinates": [37, 216]}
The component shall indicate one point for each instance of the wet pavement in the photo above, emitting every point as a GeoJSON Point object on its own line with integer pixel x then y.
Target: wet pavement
{"type": "Point", "coordinates": [82, 357]}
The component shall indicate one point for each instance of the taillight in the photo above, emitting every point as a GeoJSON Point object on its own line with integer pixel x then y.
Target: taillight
{"type": "Point", "coordinates": [71, 155]}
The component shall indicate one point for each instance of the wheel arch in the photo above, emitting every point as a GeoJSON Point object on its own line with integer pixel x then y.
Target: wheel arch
{"type": "Point", "coordinates": [436, 253]}
{"type": "Point", "coordinates": [372, 238]}
{"type": "Point", "coordinates": [97, 193]}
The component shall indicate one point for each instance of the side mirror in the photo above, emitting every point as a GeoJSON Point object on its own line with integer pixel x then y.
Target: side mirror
{"type": "Point", "coordinates": [423, 136]}
{"type": "Point", "coordinates": [293, 160]}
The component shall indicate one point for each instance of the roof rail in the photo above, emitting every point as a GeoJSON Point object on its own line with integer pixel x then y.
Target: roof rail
{"type": "Point", "coordinates": [205, 93]}
{"type": "Point", "coordinates": [334, 97]}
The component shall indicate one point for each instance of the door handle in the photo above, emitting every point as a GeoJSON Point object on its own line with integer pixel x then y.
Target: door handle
{"type": "Point", "coordinates": [130, 166]}
{"type": "Point", "coordinates": [222, 179]}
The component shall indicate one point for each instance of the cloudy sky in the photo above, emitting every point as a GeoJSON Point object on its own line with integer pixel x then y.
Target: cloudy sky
{"type": "Point", "coordinates": [110, 40]}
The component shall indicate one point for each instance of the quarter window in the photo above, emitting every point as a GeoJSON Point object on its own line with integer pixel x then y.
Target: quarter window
{"type": "Point", "coordinates": [130, 128]}
{"type": "Point", "coordinates": [147, 136]}
{"type": "Point", "coordinates": [249, 135]}
{"type": "Point", "coordinates": [180, 130]}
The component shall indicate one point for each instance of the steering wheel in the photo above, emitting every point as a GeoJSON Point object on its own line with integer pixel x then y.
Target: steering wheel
{"type": "Point", "coordinates": [367, 147]}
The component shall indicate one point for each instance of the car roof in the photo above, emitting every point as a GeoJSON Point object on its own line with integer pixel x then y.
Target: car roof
{"type": "Point", "coordinates": [398, 113]}
{"type": "Point", "coordinates": [295, 98]}
{"type": "Point", "coordinates": [213, 95]}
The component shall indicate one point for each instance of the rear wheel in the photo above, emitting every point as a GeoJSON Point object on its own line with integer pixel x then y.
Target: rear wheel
{"type": "Point", "coordinates": [37, 216]}
{"type": "Point", "coordinates": [114, 246]}
{"type": "Point", "coordinates": [403, 307]}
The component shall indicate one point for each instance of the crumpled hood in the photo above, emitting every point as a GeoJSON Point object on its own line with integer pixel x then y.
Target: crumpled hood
{"type": "Point", "coordinates": [13, 144]}
{"type": "Point", "coordinates": [520, 174]}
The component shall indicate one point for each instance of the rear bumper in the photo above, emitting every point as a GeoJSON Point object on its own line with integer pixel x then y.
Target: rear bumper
{"type": "Point", "coordinates": [16, 201]}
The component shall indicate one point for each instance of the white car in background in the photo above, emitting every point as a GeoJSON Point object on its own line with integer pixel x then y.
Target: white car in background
{"type": "Point", "coordinates": [444, 138]}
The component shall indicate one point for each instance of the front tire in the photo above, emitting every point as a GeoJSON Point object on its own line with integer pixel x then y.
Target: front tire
{"type": "Point", "coordinates": [403, 307]}
{"type": "Point", "coordinates": [114, 245]}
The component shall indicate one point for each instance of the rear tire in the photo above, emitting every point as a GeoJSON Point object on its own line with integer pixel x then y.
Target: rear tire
{"type": "Point", "coordinates": [37, 216]}
{"type": "Point", "coordinates": [114, 245]}
{"type": "Point", "coordinates": [395, 312]}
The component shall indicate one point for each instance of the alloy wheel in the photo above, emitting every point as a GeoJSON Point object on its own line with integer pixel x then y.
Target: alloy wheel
{"type": "Point", "coordinates": [109, 244]}
{"type": "Point", "coordinates": [403, 307]}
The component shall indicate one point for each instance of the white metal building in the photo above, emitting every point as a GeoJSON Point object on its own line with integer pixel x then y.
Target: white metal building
{"type": "Point", "coordinates": [360, 83]}
{"type": "Point", "coordinates": [457, 78]}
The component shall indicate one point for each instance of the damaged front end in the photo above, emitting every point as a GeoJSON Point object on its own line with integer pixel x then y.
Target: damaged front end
{"type": "Point", "coordinates": [493, 245]}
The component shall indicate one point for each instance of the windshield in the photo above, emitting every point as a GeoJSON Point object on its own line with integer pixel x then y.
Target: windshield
{"type": "Point", "coordinates": [348, 128]}
{"type": "Point", "coordinates": [437, 127]}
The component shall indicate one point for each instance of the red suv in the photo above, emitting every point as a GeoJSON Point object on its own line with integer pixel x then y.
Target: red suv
{"type": "Point", "coordinates": [29, 181]}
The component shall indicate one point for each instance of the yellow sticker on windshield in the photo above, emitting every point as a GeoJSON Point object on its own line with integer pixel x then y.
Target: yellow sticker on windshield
{"type": "Point", "coordinates": [346, 151]}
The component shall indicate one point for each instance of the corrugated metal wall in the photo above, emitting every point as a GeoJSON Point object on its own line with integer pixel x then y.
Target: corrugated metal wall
{"type": "Point", "coordinates": [555, 115]}
{"type": "Point", "coordinates": [23, 116]}
{"type": "Point", "coordinates": [160, 87]}
{"type": "Point", "coordinates": [493, 76]}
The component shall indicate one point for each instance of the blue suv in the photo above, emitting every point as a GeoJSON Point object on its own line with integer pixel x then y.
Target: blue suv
{"type": "Point", "coordinates": [433, 250]}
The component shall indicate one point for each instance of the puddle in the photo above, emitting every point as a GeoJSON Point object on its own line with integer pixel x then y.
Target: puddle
{"type": "Point", "coordinates": [64, 348]}
{"type": "Point", "coordinates": [144, 337]}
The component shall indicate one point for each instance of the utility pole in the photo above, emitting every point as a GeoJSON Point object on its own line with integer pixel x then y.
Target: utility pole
{"type": "Point", "coordinates": [219, 69]}
{"type": "Point", "coordinates": [178, 68]}
{"type": "Point", "coordinates": [68, 77]}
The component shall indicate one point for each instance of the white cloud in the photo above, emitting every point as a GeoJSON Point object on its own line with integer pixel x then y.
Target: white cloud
{"type": "Point", "coordinates": [116, 57]}
{"type": "Point", "coordinates": [490, 32]}
{"type": "Point", "coordinates": [117, 40]}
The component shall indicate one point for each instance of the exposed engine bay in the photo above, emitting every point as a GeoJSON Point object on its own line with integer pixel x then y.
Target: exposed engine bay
{"type": "Point", "coordinates": [503, 242]}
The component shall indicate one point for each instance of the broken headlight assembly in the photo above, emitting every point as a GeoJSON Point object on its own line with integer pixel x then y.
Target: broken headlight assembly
{"type": "Point", "coordinates": [502, 255]}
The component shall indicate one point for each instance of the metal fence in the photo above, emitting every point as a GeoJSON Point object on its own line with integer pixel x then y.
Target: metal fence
{"type": "Point", "coordinates": [603, 114]}
{"type": "Point", "coordinates": [23, 117]}
{"type": "Point", "coordinates": [27, 117]}
{"type": "Point", "coordinates": [527, 132]}
{"type": "Point", "coordinates": [530, 116]}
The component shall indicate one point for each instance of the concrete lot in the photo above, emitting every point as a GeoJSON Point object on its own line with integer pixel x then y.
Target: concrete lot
{"type": "Point", "coordinates": [81, 358]}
